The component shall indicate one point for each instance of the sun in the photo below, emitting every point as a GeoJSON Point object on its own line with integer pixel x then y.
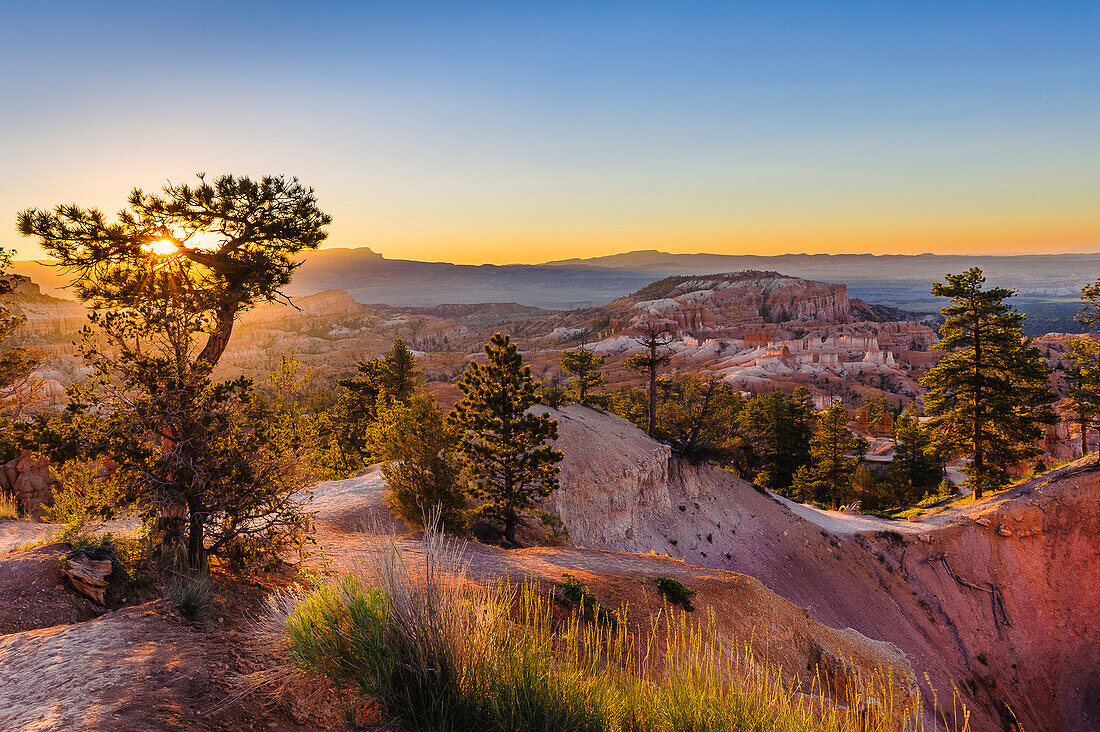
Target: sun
{"type": "Point", "coordinates": [160, 247]}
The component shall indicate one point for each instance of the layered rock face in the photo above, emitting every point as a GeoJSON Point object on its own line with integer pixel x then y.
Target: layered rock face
{"type": "Point", "coordinates": [737, 302]}
{"type": "Point", "coordinates": [997, 609]}
{"type": "Point", "coordinates": [1018, 582]}
{"type": "Point", "coordinates": [43, 314]}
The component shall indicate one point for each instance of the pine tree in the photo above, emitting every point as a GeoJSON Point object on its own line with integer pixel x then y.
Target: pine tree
{"type": "Point", "coordinates": [778, 430]}
{"type": "Point", "coordinates": [653, 335]}
{"type": "Point", "coordinates": [399, 375]}
{"type": "Point", "coordinates": [390, 378]}
{"type": "Point", "coordinates": [1083, 386]}
{"type": "Point", "coordinates": [835, 453]}
{"type": "Point", "coordinates": [697, 416]}
{"type": "Point", "coordinates": [505, 445]}
{"type": "Point", "coordinates": [1089, 314]}
{"type": "Point", "coordinates": [419, 457]}
{"type": "Point", "coordinates": [988, 396]}
{"type": "Point", "coordinates": [1083, 382]}
{"type": "Point", "coordinates": [584, 365]}
{"type": "Point", "coordinates": [914, 467]}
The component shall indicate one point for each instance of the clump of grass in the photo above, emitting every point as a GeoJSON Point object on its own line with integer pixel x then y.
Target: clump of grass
{"type": "Point", "coordinates": [190, 593]}
{"type": "Point", "coordinates": [676, 593]}
{"type": "Point", "coordinates": [9, 507]}
{"type": "Point", "coordinates": [441, 654]}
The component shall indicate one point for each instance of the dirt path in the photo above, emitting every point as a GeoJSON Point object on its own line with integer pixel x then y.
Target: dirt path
{"type": "Point", "coordinates": [850, 523]}
{"type": "Point", "coordinates": [17, 533]}
{"type": "Point", "coordinates": [845, 523]}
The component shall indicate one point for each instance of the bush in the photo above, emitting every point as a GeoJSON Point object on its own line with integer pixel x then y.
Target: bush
{"type": "Point", "coordinates": [420, 464]}
{"type": "Point", "coordinates": [675, 592]}
{"type": "Point", "coordinates": [338, 632]}
{"type": "Point", "coordinates": [574, 592]}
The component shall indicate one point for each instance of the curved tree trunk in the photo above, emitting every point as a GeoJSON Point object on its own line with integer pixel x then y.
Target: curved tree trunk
{"type": "Point", "coordinates": [219, 339]}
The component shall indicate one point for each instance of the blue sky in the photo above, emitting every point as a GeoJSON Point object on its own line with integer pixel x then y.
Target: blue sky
{"type": "Point", "coordinates": [524, 132]}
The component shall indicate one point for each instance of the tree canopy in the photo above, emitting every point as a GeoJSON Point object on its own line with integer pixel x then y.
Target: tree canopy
{"type": "Point", "coordinates": [778, 429]}
{"type": "Point", "coordinates": [229, 243]}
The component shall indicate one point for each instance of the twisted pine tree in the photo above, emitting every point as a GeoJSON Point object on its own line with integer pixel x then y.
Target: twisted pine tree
{"type": "Point", "coordinates": [165, 280]}
{"type": "Point", "coordinates": [503, 444]}
{"type": "Point", "coordinates": [988, 397]}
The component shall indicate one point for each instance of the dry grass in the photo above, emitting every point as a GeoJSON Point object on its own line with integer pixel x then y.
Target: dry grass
{"type": "Point", "coordinates": [442, 654]}
{"type": "Point", "coordinates": [9, 506]}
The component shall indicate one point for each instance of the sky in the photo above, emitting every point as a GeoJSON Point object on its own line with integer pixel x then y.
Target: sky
{"type": "Point", "coordinates": [525, 132]}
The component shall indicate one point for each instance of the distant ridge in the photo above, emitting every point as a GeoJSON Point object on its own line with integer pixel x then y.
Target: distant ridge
{"type": "Point", "coordinates": [1048, 284]}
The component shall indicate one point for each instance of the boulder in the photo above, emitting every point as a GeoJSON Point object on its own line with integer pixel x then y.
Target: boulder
{"type": "Point", "coordinates": [28, 478]}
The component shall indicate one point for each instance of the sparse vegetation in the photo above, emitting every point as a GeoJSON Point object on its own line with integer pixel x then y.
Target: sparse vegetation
{"type": "Point", "coordinates": [654, 336]}
{"type": "Point", "coordinates": [190, 593]}
{"type": "Point", "coordinates": [444, 655]}
{"type": "Point", "coordinates": [9, 506]}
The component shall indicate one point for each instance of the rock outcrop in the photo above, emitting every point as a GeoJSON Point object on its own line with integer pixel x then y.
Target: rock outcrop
{"type": "Point", "coordinates": [28, 478]}
{"type": "Point", "coordinates": [734, 303]}
{"type": "Point", "coordinates": [44, 314]}
{"type": "Point", "coordinates": [997, 609]}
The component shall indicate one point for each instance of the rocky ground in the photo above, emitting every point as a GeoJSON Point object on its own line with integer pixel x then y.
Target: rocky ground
{"type": "Point", "coordinates": [992, 603]}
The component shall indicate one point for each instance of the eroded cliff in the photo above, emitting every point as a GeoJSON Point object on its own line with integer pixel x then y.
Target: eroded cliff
{"type": "Point", "coordinates": [995, 607]}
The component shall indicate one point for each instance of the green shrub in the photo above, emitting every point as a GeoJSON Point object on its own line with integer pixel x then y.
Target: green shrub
{"type": "Point", "coordinates": [675, 592]}
{"type": "Point", "coordinates": [338, 630]}
{"type": "Point", "coordinates": [577, 594]}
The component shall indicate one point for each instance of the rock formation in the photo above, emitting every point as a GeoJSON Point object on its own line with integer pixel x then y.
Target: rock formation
{"type": "Point", "coordinates": [998, 607]}
{"type": "Point", "coordinates": [44, 314]}
{"type": "Point", "coordinates": [28, 478]}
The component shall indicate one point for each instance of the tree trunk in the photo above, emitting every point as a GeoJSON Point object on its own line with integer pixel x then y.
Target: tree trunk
{"type": "Point", "coordinates": [219, 339]}
{"type": "Point", "coordinates": [652, 395]}
{"type": "Point", "coordinates": [195, 545]}
{"type": "Point", "coordinates": [979, 457]}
